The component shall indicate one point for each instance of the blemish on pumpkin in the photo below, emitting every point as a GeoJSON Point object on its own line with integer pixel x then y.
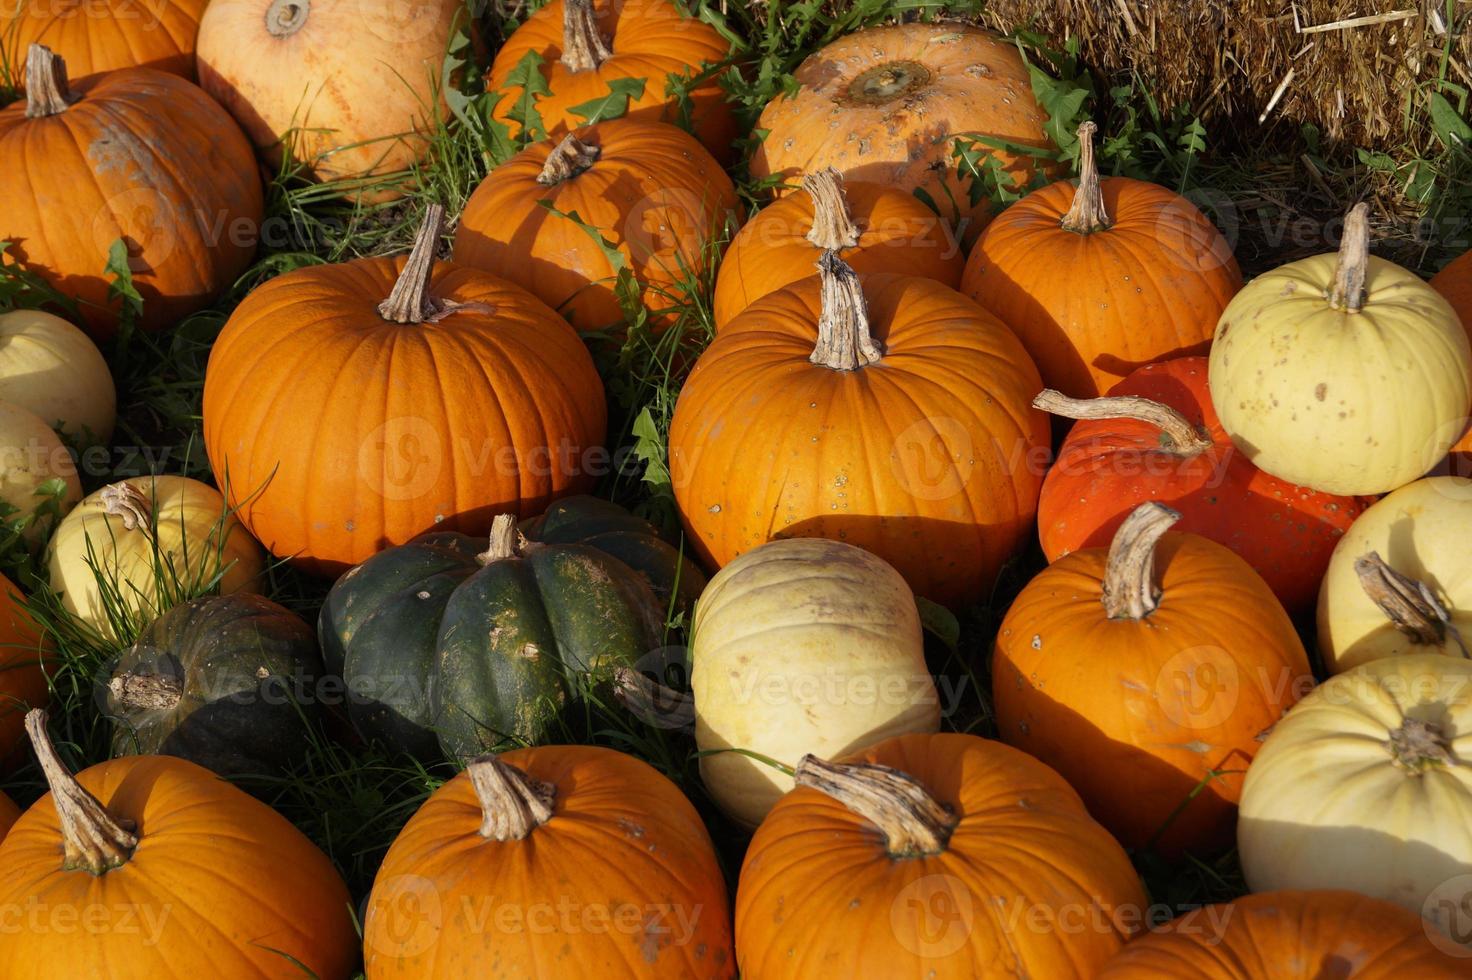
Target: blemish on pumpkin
{"type": "Point", "coordinates": [630, 828]}
{"type": "Point", "coordinates": [530, 651]}
{"type": "Point", "coordinates": [1037, 641]}
{"type": "Point", "coordinates": [1321, 390]}
{"type": "Point", "coordinates": [423, 593]}
{"type": "Point", "coordinates": [714, 509]}
{"type": "Point", "coordinates": [262, 673]}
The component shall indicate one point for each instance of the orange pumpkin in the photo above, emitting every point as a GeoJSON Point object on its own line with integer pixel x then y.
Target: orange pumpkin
{"type": "Point", "coordinates": [883, 105]}
{"type": "Point", "coordinates": [1137, 692]}
{"type": "Point", "coordinates": [561, 861]}
{"type": "Point", "coordinates": [22, 679]}
{"type": "Point", "coordinates": [876, 229]}
{"type": "Point", "coordinates": [651, 190]}
{"type": "Point", "coordinates": [150, 866]}
{"type": "Point", "coordinates": [1292, 935]}
{"type": "Point", "coordinates": [339, 425]}
{"type": "Point", "coordinates": [943, 856]}
{"type": "Point", "coordinates": [591, 49]}
{"type": "Point", "coordinates": [1101, 279]}
{"type": "Point", "coordinates": [9, 814]}
{"type": "Point", "coordinates": [137, 155]}
{"type": "Point", "coordinates": [1455, 283]}
{"type": "Point", "coordinates": [97, 36]}
{"type": "Point", "coordinates": [894, 417]}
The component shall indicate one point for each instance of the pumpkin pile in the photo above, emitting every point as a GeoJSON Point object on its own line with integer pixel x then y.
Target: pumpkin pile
{"type": "Point", "coordinates": [661, 531]}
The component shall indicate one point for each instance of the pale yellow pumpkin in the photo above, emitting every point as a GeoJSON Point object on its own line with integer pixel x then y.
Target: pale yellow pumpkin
{"type": "Point", "coordinates": [55, 370]}
{"type": "Point", "coordinates": [1366, 785]}
{"type": "Point", "coordinates": [125, 527]}
{"type": "Point", "coordinates": [30, 455]}
{"type": "Point", "coordinates": [1346, 374]}
{"type": "Point", "coordinates": [1421, 533]}
{"type": "Point", "coordinates": [802, 646]}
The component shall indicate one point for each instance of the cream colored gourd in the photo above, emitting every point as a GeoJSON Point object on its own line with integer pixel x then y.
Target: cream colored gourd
{"type": "Point", "coordinates": [801, 646]}
{"type": "Point", "coordinates": [30, 455]}
{"type": "Point", "coordinates": [1422, 534]}
{"type": "Point", "coordinates": [55, 370]}
{"type": "Point", "coordinates": [1366, 785]}
{"type": "Point", "coordinates": [120, 521]}
{"type": "Point", "coordinates": [1346, 373]}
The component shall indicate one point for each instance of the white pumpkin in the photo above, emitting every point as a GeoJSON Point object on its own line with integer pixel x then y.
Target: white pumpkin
{"type": "Point", "coordinates": [55, 370]}
{"type": "Point", "coordinates": [1346, 374]}
{"type": "Point", "coordinates": [1366, 785]}
{"type": "Point", "coordinates": [1422, 533]}
{"type": "Point", "coordinates": [136, 523]}
{"type": "Point", "coordinates": [801, 646]}
{"type": "Point", "coordinates": [30, 455]}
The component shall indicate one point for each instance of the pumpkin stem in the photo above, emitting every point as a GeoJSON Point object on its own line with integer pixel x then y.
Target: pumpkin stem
{"type": "Point", "coordinates": [913, 823]}
{"type": "Point", "coordinates": [568, 159]}
{"type": "Point", "coordinates": [148, 692]}
{"type": "Point", "coordinates": [844, 341]}
{"type": "Point", "coordinates": [1417, 746]}
{"type": "Point", "coordinates": [1177, 434]}
{"type": "Point", "coordinates": [47, 93]}
{"type": "Point", "coordinates": [1408, 603]}
{"type": "Point", "coordinates": [1348, 293]}
{"type": "Point", "coordinates": [285, 17]}
{"type": "Point", "coordinates": [833, 225]}
{"type": "Point", "coordinates": [410, 301]}
{"type": "Point", "coordinates": [512, 803]}
{"type": "Point", "coordinates": [124, 500]}
{"type": "Point", "coordinates": [506, 541]}
{"type": "Point", "coordinates": [583, 48]}
{"type": "Point", "coordinates": [1086, 214]}
{"type": "Point", "coordinates": [1130, 591]}
{"type": "Point", "coordinates": [651, 700]}
{"type": "Point", "coordinates": [92, 839]}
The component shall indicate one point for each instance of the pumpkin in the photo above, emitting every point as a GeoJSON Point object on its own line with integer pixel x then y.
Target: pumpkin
{"type": "Point", "coordinates": [1288, 935]}
{"type": "Point", "coordinates": [1146, 276]}
{"type": "Point", "coordinates": [651, 190]}
{"type": "Point", "coordinates": [350, 90]}
{"type": "Point", "coordinates": [9, 814]}
{"type": "Point", "coordinates": [227, 682]}
{"type": "Point", "coordinates": [875, 227]}
{"type": "Point", "coordinates": [98, 37]}
{"type": "Point", "coordinates": [890, 413]}
{"type": "Point", "coordinates": [886, 104]}
{"type": "Point", "coordinates": [916, 858]}
{"type": "Point", "coordinates": [167, 854]}
{"type": "Point", "coordinates": [50, 368]}
{"type": "Point", "coordinates": [22, 680]}
{"type": "Point", "coordinates": [589, 52]}
{"type": "Point", "coordinates": [1348, 375]}
{"type": "Point", "coordinates": [447, 640]}
{"type": "Point", "coordinates": [1455, 283]}
{"type": "Point", "coordinates": [144, 157]}
{"type": "Point", "coordinates": [587, 861]}
{"type": "Point", "coordinates": [802, 646]}
{"type": "Point", "coordinates": [457, 398]}
{"type": "Point", "coordinates": [1400, 581]}
{"type": "Point", "coordinates": [1141, 688]}
{"type": "Point", "coordinates": [1363, 786]}
{"type": "Point", "coordinates": [31, 458]}
{"type": "Point", "coordinates": [1157, 437]}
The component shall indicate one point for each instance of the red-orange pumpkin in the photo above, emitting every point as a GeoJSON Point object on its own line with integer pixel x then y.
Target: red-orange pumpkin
{"type": "Point", "coordinates": [22, 679]}
{"type": "Point", "coordinates": [137, 155]}
{"type": "Point", "coordinates": [1101, 279]}
{"type": "Point", "coordinates": [1455, 283]}
{"type": "Point", "coordinates": [339, 425]}
{"type": "Point", "coordinates": [96, 36]}
{"type": "Point", "coordinates": [1137, 692]}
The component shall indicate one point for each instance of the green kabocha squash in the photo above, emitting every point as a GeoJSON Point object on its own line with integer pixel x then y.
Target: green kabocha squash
{"type": "Point", "coordinates": [447, 642]}
{"type": "Point", "coordinates": [228, 682]}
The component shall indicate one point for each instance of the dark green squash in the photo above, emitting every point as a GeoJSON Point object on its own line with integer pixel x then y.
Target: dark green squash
{"type": "Point", "coordinates": [443, 642]}
{"type": "Point", "coordinates": [228, 682]}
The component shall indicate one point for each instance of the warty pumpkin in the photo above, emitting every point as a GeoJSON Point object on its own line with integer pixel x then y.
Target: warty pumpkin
{"type": "Point", "coordinates": [1139, 686]}
{"type": "Point", "coordinates": [802, 646]}
{"type": "Point", "coordinates": [31, 458]}
{"type": "Point", "coordinates": [649, 189]}
{"type": "Point", "coordinates": [22, 677]}
{"type": "Point", "coordinates": [51, 368]}
{"type": "Point", "coordinates": [1364, 786]}
{"type": "Point", "coordinates": [1346, 374]}
{"type": "Point", "coordinates": [1100, 279]}
{"type": "Point", "coordinates": [99, 36]}
{"type": "Point", "coordinates": [1157, 437]}
{"type": "Point", "coordinates": [599, 56]}
{"type": "Point", "coordinates": [945, 856]}
{"type": "Point", "coordinates": [1288, 935]}
{"type": "Point", "coordinates": [874, 227]}
{"type": "Point", "coordinates": [143, 156]}
{"type": "Point", "coordinates": [889, 412]}
{"type": "Point", "coordinates": [565, 861]}
{"type": "Point", "coordinates": [1455, 283]}
{"type": "Point", "coordinates": [188, 856]}
{"type": "Point", "coordinates": [885, 105]}
{"type": "Point", "coordinates": [459, 397]}
{"type": "Point", "coordinates": [349, 89]}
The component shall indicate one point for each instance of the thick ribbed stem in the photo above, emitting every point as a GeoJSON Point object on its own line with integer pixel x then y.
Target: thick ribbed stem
{"type": "Point", "coordinates": [505, 540]}
{"type": "Point", "coordinates": [285, 17]}
{"type": "Point", "coordinates": [844, 341]}
{"type": "Point", "coordinates": [1408, 603]}
{"type": "Point", "coordinates": [568, 159]}
{"type": "Point", "coordinates": [1348, 293]}
{"type": "Point", "coordinates": [47, 93]}
{"type": "Point", "coordinates": [1418, 746]}
{"type": "Point", "coordinates": [124, 500]}
{"type": "Point", "coordinates": [512, 803]}
{"type": "Point", "coordinates": [410, 301]}
{"type": "Point", "coordinates": [833, 225]}
{"type": "Point", "coordinates": [913, 823]}
{"type": "Point", "coordinates": [92, 840]}
{"type": "Point", "coordinates": [1177, 434]}
{"type": "Point", "coordinates": [1087, 213]}
{"type": "Point", "coordinates": [583, 48]}
{"type": "Point", "coordinates": [149, 692]}
{"type": "Point", "coordinates": [1130, 591]}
